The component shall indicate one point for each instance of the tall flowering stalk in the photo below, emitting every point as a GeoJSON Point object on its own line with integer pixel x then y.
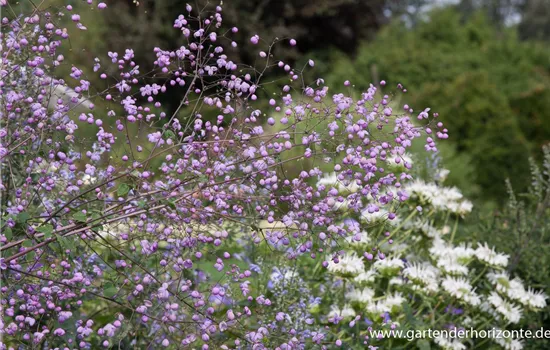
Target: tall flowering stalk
{"type": "Point", "coordinates": [128, 237]}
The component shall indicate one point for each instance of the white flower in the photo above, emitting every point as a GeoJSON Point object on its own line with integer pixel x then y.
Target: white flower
{"type": "Point", "coordinates": [366, 276]}
{"type": "Point", "coordinates": [490, 257]}
{"type": "Point", "coordinates": [88, 180]}
{"type": "Point", "coordinates": [514, 289]}
{"type": "Point", "coordinates": [346, 312]}
{"type": "Point", "coordinates": [501, 280]}
{"type": "Point", "coordinates": [509, 343]}
{"type": "Point", "coordinates": [424, 275]}
{"type": "Point", "coordinates": [113, 230]}
{"type": "Point", "coordinates": [405, 161]}
{"type": "Point", "coordinates": [339, 182]}
{"type": "Point", "coordinates": [439, 197]}
{"type": "Point", "coordinates": [364, 295]}
{"type": "Point", "coordinates": [377, 308]}
{"type": "Point", "coordinates": [376, 217]}
{"type": "Point", "coordinates": [460, 254]}
{"type": "Point", "coordinates": [535, 299]}
{"type": "Point", "coordinates": [359, 239]}
{"type": "Point", "coordinates": [510, 311]}
{"type": "Point", "coordinates": [348, 264]}
{"type": "Point", "coordinates": [449, 343]}
{"type": "Point", "coordinates": [394, 300]}
{"type": "Point", "coordinates": [461, 289]}
{"type": "Point", "coordinates": [390, 303]}
{"type": "Point", "coordinates": [388, 265]}
{"type": "Point", "coordinates": [441, 174]}
{"type": "Point", "coordinates": [450, 265]}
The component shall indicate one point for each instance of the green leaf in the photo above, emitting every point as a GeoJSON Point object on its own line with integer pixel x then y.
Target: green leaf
{"type": "Point", "coordinates": [423, 344]}
{"type": "Point", "coordinates": [171, 204]}
{"type": "Point", "coordinates": [7, 233]}
{"type": "Point", "coordinates": [80, 216]}
{"type": "Point", "coordinates": [66, 243]}
{"type": "Point", "coordinates": [23, 217]}
{"type": "Point", "coordinates": [122, 190]}
{"type": "Point", "coordinates": [109, 290]}
{"type": "Point", "coordinates": [169, 134]}
{"type": "Point", "coordinates": [47, 230]}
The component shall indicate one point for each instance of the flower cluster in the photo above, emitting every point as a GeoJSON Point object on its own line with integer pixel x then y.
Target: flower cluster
{"type": "Point", "coordinates": [126, 223]}
{"type": "Point", "coordinates": [415, 266]}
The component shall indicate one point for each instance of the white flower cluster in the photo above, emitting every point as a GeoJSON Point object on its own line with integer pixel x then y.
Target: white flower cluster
{"type": "Point", "coordinates": [423, 275]}
{"type": "Point", "coordinates": [490, 257]}
{"type": "Point", "coordinates": [514, 290]}
{"type": "Point", "coordinates": [440, 198]}
{"type": "Point", "coordinates": [342, 184]}
{"type": "Point", "coordinates": [347, 265]}
{"type": "Point", "coordinates": [428, 265]}
{"type": "Point", "coordinates": [461, 289]}
{"type": "Point", "coordinates": [345, 312]}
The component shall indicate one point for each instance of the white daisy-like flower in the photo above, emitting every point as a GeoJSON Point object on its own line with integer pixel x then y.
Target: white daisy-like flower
{"type": "Point", "coordinates": [348, 265]}
{"type": "Point", "coordinates": [394, 300]}
{"type": "Point", "coordinates": [534, 299]}
{"type": "Point", "coordinates": [363, 296]}
{"type": "Point", "coordinates": [462, 253]}
{"type": "Point", "coordinates": [462, 208]}
{"type": "Point", "coordinates": [450, 265]}
{"type": "Point", "coordinates": [449, 343]}
{"type": "Point", "coordinates": [461, 289]}
{"type": "Point", "coordinates": [508, 310]}
{"type": "Point", "coordinates": [341, 204]}
{"type": "Point", "coordinates": [501, 280]}
{"type": "Point", "coordinates": [516, 290]}
{"type": "Point", "coordinates": [346, 312]}
{"type": "Point", "coordinates": [388, 266]}
{"type": "Point", "coordinates": [439, 197]}
{"type": "Point", "coordinates": [368, 276]}
{"type": "Point", "coordinates": [377, 308]}
{"type": "Point", "coordinates": [513, 288]}
{"type": "Point", "coordinates": [441, 174]}
{"type": "Point", "coordinates": [423, 275]}
{"type": "Point", "coordinates": [490, 257]}
{"type": "Point", "coordinates": [391, 303]}
{"type": "Point", "coordinates": [328, 180]}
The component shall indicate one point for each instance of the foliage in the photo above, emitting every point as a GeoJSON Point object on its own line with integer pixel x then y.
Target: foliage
{"type": "Point", "coordinates": [412, 275]}
{"type": "Point", "coordinates": [521, 228]}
